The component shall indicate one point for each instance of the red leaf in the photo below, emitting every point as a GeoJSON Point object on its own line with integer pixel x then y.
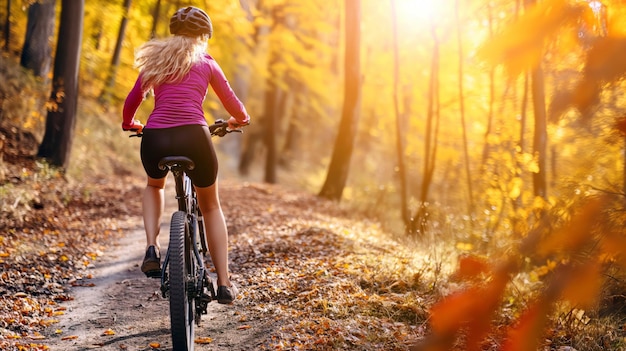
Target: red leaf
{"type": "Point", "coordinates": [525, 335]}
{"type": "Point", "coordinates": [472, 266]}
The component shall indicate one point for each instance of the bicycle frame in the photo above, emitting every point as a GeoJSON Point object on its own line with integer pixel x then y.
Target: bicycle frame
{"type": "Point", "coordinates": [187, 202]}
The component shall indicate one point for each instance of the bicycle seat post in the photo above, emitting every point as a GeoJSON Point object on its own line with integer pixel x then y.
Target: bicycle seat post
{"type": "Point", "coordinates": [178, 165]}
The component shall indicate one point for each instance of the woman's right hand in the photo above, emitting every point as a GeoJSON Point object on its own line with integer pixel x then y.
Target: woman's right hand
{"type": "Point", "coordinates": [234, 124]}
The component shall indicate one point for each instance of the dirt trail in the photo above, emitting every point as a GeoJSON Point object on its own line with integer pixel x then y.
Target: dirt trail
{"type": "Point", "coordinates": [124, 301]}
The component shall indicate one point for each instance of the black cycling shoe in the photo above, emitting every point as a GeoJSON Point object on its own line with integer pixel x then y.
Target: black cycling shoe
{"type": "Point", "coordinates": [226, 294]}
{"type": "Point", "coordinates": [151, 265]}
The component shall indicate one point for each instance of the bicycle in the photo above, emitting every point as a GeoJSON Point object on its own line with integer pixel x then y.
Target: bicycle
{"type": "Point", "coordinates": [184, 279]}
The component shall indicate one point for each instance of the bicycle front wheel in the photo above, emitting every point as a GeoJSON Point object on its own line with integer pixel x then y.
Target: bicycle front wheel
{"type": "Point", "coordinates": [181, 307]}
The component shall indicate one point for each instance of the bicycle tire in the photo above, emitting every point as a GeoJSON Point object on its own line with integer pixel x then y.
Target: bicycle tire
{"type": "Point", "coordinates": [181, 307]}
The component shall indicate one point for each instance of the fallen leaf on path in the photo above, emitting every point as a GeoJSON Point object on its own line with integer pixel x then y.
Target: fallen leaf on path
{"type": "Point", "coordinates": [203, 340]}
{"type": "Point", "coordinates": [37, 336]}
{"type": "Point", "coordinates": [155, 345]}
{"type": "Point", "coordinates": [70, 337]}
{"type": "Point", "coordinates": [108, 332]}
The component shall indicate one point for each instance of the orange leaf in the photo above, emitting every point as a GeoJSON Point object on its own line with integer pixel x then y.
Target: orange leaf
{"type": "Point", "coordinates": [614, 246]}
{"type": "Point", "coordinates": [574, 235]}
{"type": "Point", "coordinates": [203, 340]}
{"type": "Point", "coordinates": [474, 306]}
{"type": "Point", "coordinates": [449, 314]}
{"type": "Point", "coordinates": [108, 332]}
{"type": "Point", "coordinates": [155, 345]}
{"type": "Point", "coordinates": [582, 287]}
{"type": "Point", "coordinates": [70, 337]}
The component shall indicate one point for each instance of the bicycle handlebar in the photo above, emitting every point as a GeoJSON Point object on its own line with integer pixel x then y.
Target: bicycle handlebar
{"type": "Point", "coordinates": [219, 128]}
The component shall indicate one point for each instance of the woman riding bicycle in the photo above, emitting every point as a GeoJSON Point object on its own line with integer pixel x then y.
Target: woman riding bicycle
{"type": "Point", "coordinates": [178, 71]}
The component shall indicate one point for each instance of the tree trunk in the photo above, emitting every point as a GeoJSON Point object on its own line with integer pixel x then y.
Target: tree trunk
{"type": "Point", "coordinates": [36, 53]}
{"type": "Point", "coordinates": [254, 133]}
{"type": "Point", "coordinates": [420, 219]}
{"type": "Point", "coordinates": [461, 76]}
{"type": "Point", "coordinates": [400, 123]}
{"type": "Point", "coordinates": [292, 133]}
{"type": "Point", "coordinates": [61, 119]}
{"type": "Point", "coordinates": [338, 169]}
{"type": "Point", "coordinates": [540, 139]}
{"type": "Point", "coordinates": [272, 96]}
{"type": "Point", "coordinates": [7, 27]}
{"type": "Point", "coordinates": [105, 96]}
{"type": "Point", "coordinates": [624, 167]}
{"type": "Point", "coordinates": [155, 18]}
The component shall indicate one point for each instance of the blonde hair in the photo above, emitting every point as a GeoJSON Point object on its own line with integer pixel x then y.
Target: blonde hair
{"type": "Point", "coordinates": [168, 60]}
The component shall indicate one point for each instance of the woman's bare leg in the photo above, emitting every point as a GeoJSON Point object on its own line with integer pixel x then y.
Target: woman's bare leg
{"type": "Point", "coordinates": [216, 232]}
{"type": "Point", "coordinates": [153, 204]}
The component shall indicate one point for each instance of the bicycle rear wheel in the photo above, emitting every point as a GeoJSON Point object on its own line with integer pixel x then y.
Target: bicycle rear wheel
{"type": "Point", "coordinates": [181, 307]}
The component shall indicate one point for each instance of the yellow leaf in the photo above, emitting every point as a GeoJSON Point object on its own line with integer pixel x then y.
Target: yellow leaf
{"type": "Point", "coordinates": [108, 332]}
{"type": "Point", "coordinates": [515, 187]}
{"type": "Point", "coordinates": [464, 246]}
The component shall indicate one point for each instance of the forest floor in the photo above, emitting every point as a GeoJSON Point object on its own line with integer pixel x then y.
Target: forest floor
{"type": "Point", "coordinates": [312, 275]}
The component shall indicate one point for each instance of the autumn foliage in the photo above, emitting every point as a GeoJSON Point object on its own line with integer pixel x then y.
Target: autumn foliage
{"type": "Point", "coordinates": [574, 259]}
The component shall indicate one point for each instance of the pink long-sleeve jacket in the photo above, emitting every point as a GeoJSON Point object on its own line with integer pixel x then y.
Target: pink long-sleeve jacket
{"type": "Point", "coordinates": [178, 104]}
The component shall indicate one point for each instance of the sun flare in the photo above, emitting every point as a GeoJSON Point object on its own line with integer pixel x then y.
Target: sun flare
{"type": "Point", "coordinates": [415, 12]}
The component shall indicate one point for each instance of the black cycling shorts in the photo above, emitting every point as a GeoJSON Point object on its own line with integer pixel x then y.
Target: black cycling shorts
{"type": "Point", "coordinates": [193, 141]}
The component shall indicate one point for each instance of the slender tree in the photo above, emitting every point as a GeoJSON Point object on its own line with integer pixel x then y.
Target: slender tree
{"type": "Point", "coordinates": [404, 205]}
{"type": "Point", "coordinates": [273, 97]}
{"type": "Point", "coordinates": [7, 27]}
{"type": "Point", "coordinates": [61, 118]}
{"type": "Point", "coordinates": [420, 219]}
{"type": "Point", "coordinates": [37, 52]}
{"type": "Point", "coordinates": [540, 136]}
{"type": "Point", "coordinates": [155, 18]}
{"type": "Point", "coordinates": [338, 170]}
{"type": "Point", "coordinates": [253, 136]}
{"type": "Point", "coordinates": [115, 59]}
{"type": "Point", "coordinates": [270, 125]}
{"type": "Point", "coordinates": [461, 88]}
